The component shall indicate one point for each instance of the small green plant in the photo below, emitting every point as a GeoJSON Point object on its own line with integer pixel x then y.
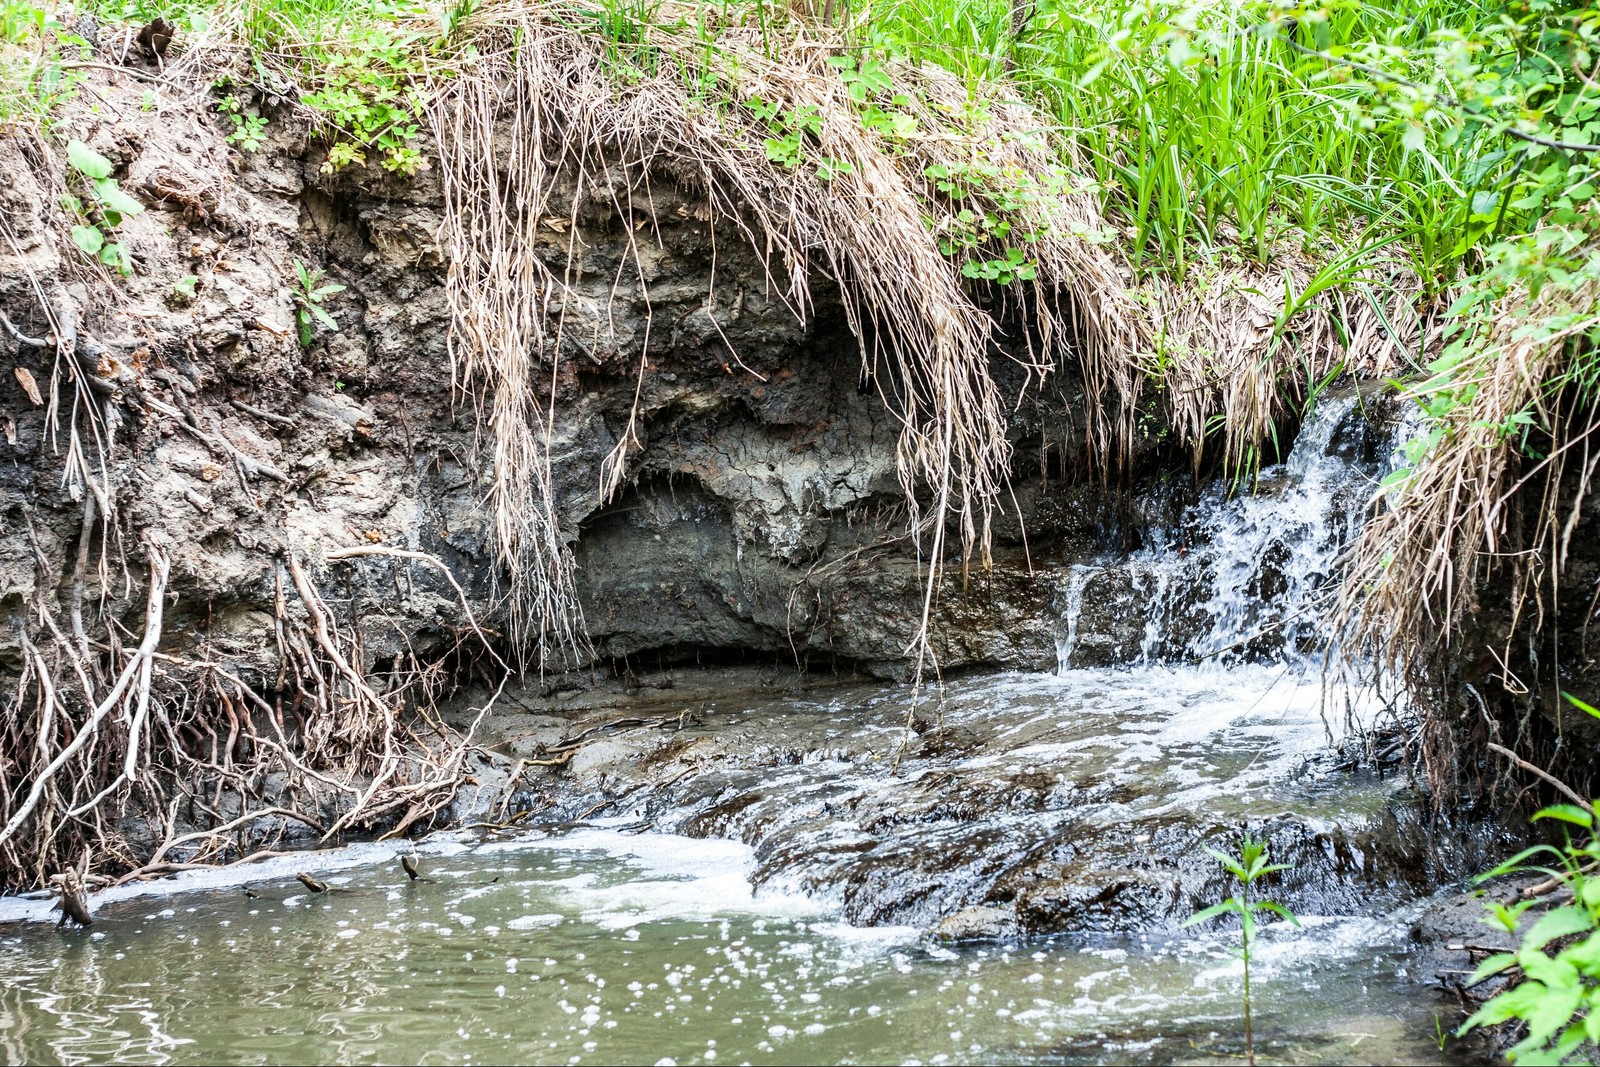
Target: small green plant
{"type": "Point", "coordinates": [789, 128]}
{"type": "Point", "coordinates": [185, 286]}
{"type": "Point", "coordinates": [368, 94]}
{"type": "Point", "coordinates": [249, 131]}
{"type": "Point", "coordinates": [1558, 999]}
{"type": "Point", "coordinates": [863, 79]}
{"type": "Point", "coordinates": [308, 309]}
{"type": "Point", "coordinates": [1249, 867]}
{"type": "Point", "coordinates": [829, 168]}
{"type": "Point", "coordinates": [106, 208]}
{"type": "Point", "coordinates": [998, 217]}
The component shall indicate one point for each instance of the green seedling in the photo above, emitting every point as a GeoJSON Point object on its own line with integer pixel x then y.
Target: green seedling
{"type": "Point", "coordinates": [1249, 867]}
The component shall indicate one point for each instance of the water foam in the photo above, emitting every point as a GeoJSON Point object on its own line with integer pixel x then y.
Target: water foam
{"type": "Point", "coordinates": [1239, 574]}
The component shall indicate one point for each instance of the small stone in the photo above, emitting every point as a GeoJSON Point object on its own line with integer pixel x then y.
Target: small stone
{"type": "Point", "coordinates": [982, 922]}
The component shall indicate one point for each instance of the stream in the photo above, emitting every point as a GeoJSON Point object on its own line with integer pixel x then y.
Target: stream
{"type": "Point", "coordinates": [795, 876]}
{"type": "Point", "coordinates": [603, 947]}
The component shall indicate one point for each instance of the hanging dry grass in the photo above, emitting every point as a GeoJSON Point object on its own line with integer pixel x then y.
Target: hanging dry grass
{"type": "Point", "coordinates": [1476, 504]}
{"type": "Point", "coordinates": [551, 103]}
{"type": "Point", "coordinates": [1238, 346]}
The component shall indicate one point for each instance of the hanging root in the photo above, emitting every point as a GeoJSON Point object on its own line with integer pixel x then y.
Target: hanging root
{"type": "Point", "coordinates": [549, 106]}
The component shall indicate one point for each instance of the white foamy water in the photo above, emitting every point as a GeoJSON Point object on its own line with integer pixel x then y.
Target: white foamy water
{"type": "Point", "coordinates": [1240, 570]}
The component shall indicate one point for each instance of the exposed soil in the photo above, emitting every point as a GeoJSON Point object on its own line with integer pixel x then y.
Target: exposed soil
{"type": "Point", "coordinates": [761, 512]}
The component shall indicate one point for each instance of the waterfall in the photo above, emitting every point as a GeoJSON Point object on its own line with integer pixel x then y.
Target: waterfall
{"type": "Point", "coordinates": [1239, 575]}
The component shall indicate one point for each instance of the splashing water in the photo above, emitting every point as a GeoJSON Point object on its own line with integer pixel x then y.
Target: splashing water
{"type": "Point", "coordinates": [1239, 575]}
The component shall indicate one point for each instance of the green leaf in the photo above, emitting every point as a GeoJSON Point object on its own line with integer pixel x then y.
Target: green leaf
{"type": "Point", "coordinates": [1229, 864]}
{"type": "Point", "coordinates": [1584, 955]}
{"type": "Point", "coordinates": [1231, 905]}
{"type": "Point", "coordinates": [109, 194]}
{"type": "Point", "coordinates": [1268, 868]}
{"type": "Point", "coordinates": [1589, 709]}
{"type": "Point", "coordinates": [88, 238]}
{"type": "Point", "coordinates": [1554, 974]}
{"type": "Point", "coordinates": [1515, 863]}
{"type": "Point", "coordinates": [1552, 1012]}
{"type": "Point", "coordinates": [326, 319]}
{"type": "Point", "coordinates": [1515, 1002]}
{"type": "Point", "coordinates": [1490, 966]}
{"type": "Point", "coordinates": [1560, 922]}
{"type": "Point", "coordinates": [1278, 909]}
{"type": "Point", "coordinates": [186, 285]}
{"type": "Point", "coordinates": [1567, 813]}
{"type": "Point", "coordinates": [87, 161]}
{"type": "Point", "coordinates": [1507, 918]}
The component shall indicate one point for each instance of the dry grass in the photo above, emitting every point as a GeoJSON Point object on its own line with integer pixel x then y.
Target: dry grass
{"type": "Point", "coordinates": [553, 112]}
{"type": "Point", "coordinates": [1238, 346]}
{"type": "Point", "coordinates": [1477, 505]}
{"type": "Point", "coordinates": [549, 106]}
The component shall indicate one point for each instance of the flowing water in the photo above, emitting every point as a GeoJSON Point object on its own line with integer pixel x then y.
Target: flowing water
{"type": "Point", "coordinates": [605, 947]}
{"type": "Point", "coordinates": [769, 879]}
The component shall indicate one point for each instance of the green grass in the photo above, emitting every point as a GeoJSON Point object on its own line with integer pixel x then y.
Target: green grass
{"type": "Point", "coordinates": [1211, 133]}
{"type": "Point", "coordinates": [1210, 127]}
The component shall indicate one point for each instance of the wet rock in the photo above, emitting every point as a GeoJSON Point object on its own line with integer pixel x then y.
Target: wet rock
{"type": "Point", "coordinates": [1100, 901]}
{"type": "Point", "coordinates": [977, 923]}
{"type": "Point", "coordinates": [1061, 805]}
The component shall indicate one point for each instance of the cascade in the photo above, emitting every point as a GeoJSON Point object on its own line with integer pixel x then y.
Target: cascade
{"type": "Point", "coordinates": [1242, 574]}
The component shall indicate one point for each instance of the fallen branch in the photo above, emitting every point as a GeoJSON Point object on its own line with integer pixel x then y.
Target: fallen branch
{"type": "Point", "coordinates": [233, 824]}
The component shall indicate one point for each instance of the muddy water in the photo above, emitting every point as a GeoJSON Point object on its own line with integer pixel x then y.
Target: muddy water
{"type": "Point", "coordinates": [794, 877]}
{"type": "Point", "coordinates": [600, 946]}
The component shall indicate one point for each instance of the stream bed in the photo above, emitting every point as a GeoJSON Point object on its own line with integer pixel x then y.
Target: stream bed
{"type": "Point", "coordinates": [796, 929]}
{"type": "Point", "coordinates": [715, 867]}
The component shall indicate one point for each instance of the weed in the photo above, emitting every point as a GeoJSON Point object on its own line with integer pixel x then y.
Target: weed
{"type": "Point", "coordinates": [308, 310]}
{"type": "Point", "coordinates": [370, 97]}
{"type": "Point", "coordinates": [249, 131]}
{"type": "Point", "coordinates": [107, 205]}
{"type": "Point", "coordinates": [1247, 868]}
{"type": "Point", "coordinates": [1558, 997]}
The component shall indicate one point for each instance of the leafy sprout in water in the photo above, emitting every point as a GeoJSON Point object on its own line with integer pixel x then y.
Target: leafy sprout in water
{"type": "Point", "coordinates": [1248, 867]}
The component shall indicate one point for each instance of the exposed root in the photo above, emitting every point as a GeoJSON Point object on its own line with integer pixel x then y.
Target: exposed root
{"type": "Point", "coordinates": [173, 734]}
{"type": "Point", "coordinates": [102, 734]}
